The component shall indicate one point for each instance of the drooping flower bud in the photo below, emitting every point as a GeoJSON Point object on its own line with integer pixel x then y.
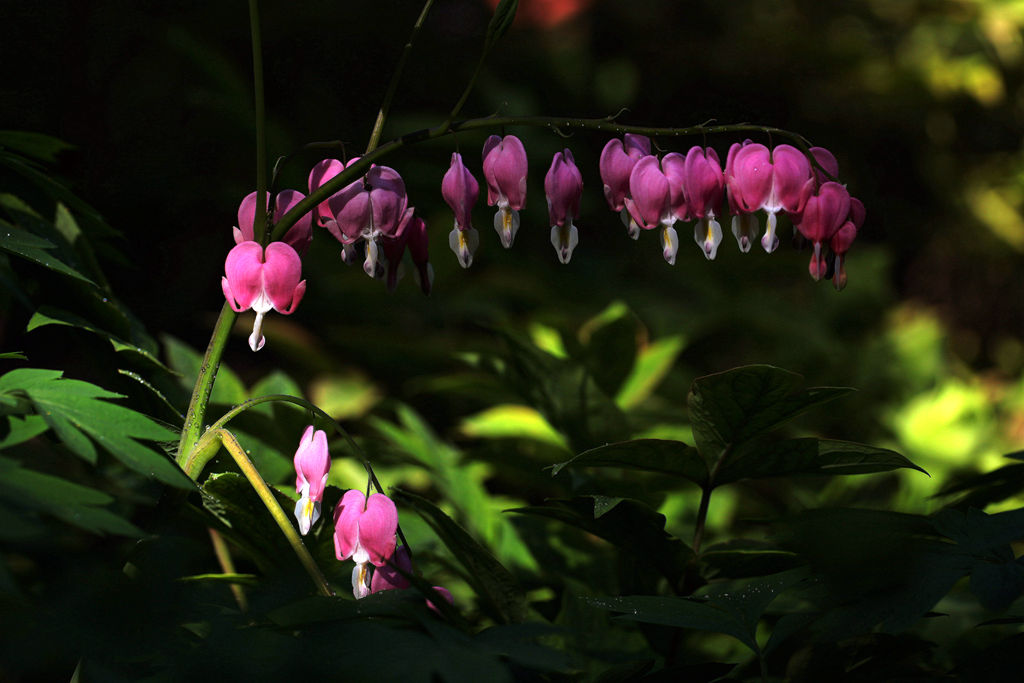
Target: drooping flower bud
{"type": "Point", "coordinates": [505, 167]}
{"type": "Point", "coordinates": [460, 190]}
{"type": "Point", "coordinates": [703, 185]}
{"type": "Point", "coordinates": [824, 213]}
{"type": "Point", "coordinates": [298, 237]}
{"type": "Point", "coordinates": [364, 529]}
{"type": "Point", "coordinates": [616, 165]}
{"type": "Point", "coordinates": [312, 463]}
{"type": "Point", "coordinates": [563, 186]}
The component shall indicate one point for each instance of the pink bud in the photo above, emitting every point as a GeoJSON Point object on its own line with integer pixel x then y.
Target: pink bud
{"type": "Point", "coordinates": [505, 167]}
{"type": "Point", "coordinates": [460, 190]}
{"type": "Point", "coordinates": [563, 186]}
{"type": "Point", "coordinates": [386, 578]}
{"type": "Point", "coordinates": [365, 529]}
{"type": "Point", "coordinates": [312, 463]}
{"type": "Point", "coordinates": [649, 191]}
{"type": "Point", "coordinates": [828, 162]}
{"type": "Point", "coordinates": [321, 173]}
{"type": "Point", "coordinates": [418, 243]}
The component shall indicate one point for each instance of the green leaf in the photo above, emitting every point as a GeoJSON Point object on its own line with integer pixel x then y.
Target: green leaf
{"type": "Point", "coordinates": [630, 525]}
{"type": "Point", "coordinates": [73, 503]}
{"type": "Point", "coordinates": [492, 582]}
{"type": "Point", "coordinates": [227, 390]}
{"type": "Point", "coordinates": [242, 579]}
{"type": "Point", "coordinates": [757, 459]}
{"type": "Point", "coordinates": [742, 558]}
{"type": "Point", "coordinates": [13, 355]}
{"type": "Point", "coordinates": [674, 458]}
{"type": "Point", "coordinates": [76, 411]}
{"type": "Point", "coordinates": [48, 315]}
{"type": "Point", "coordinates": [504, 14]}
{"type": "Point", "coordinates": [35, 145]}
{"type": "Point", "coordinates": [29, 246]}
{"type": "Point", "coordinates": [733, 608]}
{"type": "Point", "coordinates": [652, 364]}
{"type": "Point", "coordinates": [512, 421]}
{"type": "Point", "coordinates": [21, 429]}
{"type": "Point", "coordinates": [730, 407]}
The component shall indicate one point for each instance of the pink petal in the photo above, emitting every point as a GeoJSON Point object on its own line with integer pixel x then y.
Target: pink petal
{"type": "Point", "coordinates": [246, 218]}
{"type": "Point", "coordinates": [827, 161]}
{"type": "Point", "coordinates": [312, 462]}
{"type": "Point", "coordinates": [650, 193]}
{"type": "Point", "coordinates": [385, 578]}
{"type": "Point", "coordinates": [674, 167]}
{"type": "Point", "coordinates": [346, 523]}
{"type": "Point", "coordinates": [460, 190]}
{"type": "Point", "coordinates": [505, 166]}
{"type": "Point", "coordinates": [321, 173]}
{"type": "Point", "coordinates": [243, 270]}
{"type": "Point", "coordinates": [377, 528]}
{"type": "Point", "coordinates": [751, 178]}
{"type": "Point", "coordinates": [281, 274]}
{"type": "Point", "coordinates": [300, 235]}
{"type": "Point", "coordinates": [791, 170]}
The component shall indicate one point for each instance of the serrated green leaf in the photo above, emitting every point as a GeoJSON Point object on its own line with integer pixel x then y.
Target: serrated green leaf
{"type": "Point", "coordinates": [731, 407]}
{"type": "Point", "coordinates": [674, 458]}
{"type": "Point", "coordinates": [21, 429]}
{"type": "Point", "coordinates": [495, 586]}
{"type": "Point", "coordinates": [49, 315]}
{"type": "Point", "coordinates": [21, 244]}
{"type": "Point", "coordinates": [757, 459]}
{"type": "Point", "coordinates": [227, 389]}
{"type": "Point", "coordinates": [73, 503]}
{"type": "Point", "coordinates": [75, 409]}
{"type": "Point", "coordinates": [504, 15]}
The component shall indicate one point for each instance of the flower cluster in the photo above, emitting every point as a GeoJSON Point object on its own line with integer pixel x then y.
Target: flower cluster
{"type": "Point", "coordinates": [365, 528]}
{"type": "Point", "coordinates": [372, 217]}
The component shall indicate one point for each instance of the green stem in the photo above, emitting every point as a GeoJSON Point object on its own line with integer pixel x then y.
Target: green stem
{"type": "Point", "coordinates": [554, 123]}
{"type": "Point", "coordinates": [705, 500]}
{"type": "Point", "coordinates": [204, 384]}
{"type": "Point", "coordinates": [223, 555]}
{"type": "Point", "coordinates": [284, 522]}
{"type": "Point", "coordinates": [469, 87]}
{"type": "Point", "coordinates": [260, 224]}
{"type": "Point", "coordinates": [389, 95]}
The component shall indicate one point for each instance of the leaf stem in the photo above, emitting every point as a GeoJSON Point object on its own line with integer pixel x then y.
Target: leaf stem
{"type": "Point", "coordinates": [389, 95]}
{"type": "Point", "coordinates": [705, 500]}
{"type": "Point", "coordinates": [223, 554]}
{"type": "Point", "coordinates": [230, 443]}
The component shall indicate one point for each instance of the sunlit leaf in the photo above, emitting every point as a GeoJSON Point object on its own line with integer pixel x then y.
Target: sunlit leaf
{"type": "Point", "coordinates": [227, 390]}
{"type": "Point", "coordinates": [28, 246]}
{"type": "Point", "coordinates": [511, 421]}
{"type": "Point", "coordinates": [653, 362]}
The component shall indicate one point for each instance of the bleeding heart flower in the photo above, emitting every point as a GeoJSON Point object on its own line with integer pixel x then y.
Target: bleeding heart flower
{"type": "Point", "coordinates": [824, 213]}
{"type": "Point", "coordinates": [321, 173]}
{"type": "Point", "coordinates": [843, 239]}
{"type": "Point", "coordinates": [759, 179]}
{"type": "Point", "coordinates": [460, 190]}
{"type": "Point", "coordinates": [505, 167]}
{"type": "Point", "coordinates": [299, 236]}
{"type": "Point", "coordinates": [563, 186]}
{"type": "Point", "coordinates": [386, 578]}
{"type": "Point", "coordinates": [312, 463]}
{"type": "Point", "coordinates": [616, 165]}
{"type": "Point", "coordinates": [657, 198]}
{"type": "Point", "coordinates": [262, 280]}
{"type": "Point", "coordinates": [703, 186]}
{"type": "Point", "coordinates": [364, 529]}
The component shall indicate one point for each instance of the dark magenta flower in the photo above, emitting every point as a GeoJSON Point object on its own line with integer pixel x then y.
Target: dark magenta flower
{"type": "Point", "coordinates": [321, 173]}
{"type": "Point", "coordinates": [298, 236]}
{"type": "Point", "coordinates": [704, 186]}
{"type": "Point", "coordinates": [505, 167]}
{"type": "Point", "coordinates": [460, 190]}
{"type": "Point", "coordinates": [656, 198]}
{"type": "Point", "coordinates": [563, 186]}
{"type": "Point", "coordinates": [386, 578]}
{"type": "Point", "coordinates": [616, 165]}
{"type": "Point", "coordinates": [843, 239]}
{"type": "Point", "coordinates": [262, 281]}
{"type": "Point", "coordinates": [312, 463]}
{"type": "Point", "coordinates": [824, 213]}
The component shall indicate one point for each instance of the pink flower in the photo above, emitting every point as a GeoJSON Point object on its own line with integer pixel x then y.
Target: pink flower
{"type": "Point", "coordinates": [418, 242]}
{"type": "Point", "coordinates": [312, 463]}
{"type": "Point", "coordinates": [460, 190]}
{"type": "Point", "coordinates": [365, 531]}
{"type": "Point", "coordinates": [824, 213]}
{"type": "Point", "coordinates": [372, 209]}
{"type": "Point", "coordinates": [828, 162]}
{"type": "Point", "coordinates": [703, 186]}
{"type": "Point", "coordinates": [657, 198]}
{"type": "Point", "coordinates": [261, 281]}
{"type": "Point", "coordinates": [759, 179]}
{"type": "Point", "coordinates": [298, 236]}
{"type": "Point", "coordinates": [563, 186]}
{"type": "Point", "coordinates": [505, 167]}
{"type": "Point", "coordinates": [616, 165]}
{"type": "Point", "coordinates": [321, 173]}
